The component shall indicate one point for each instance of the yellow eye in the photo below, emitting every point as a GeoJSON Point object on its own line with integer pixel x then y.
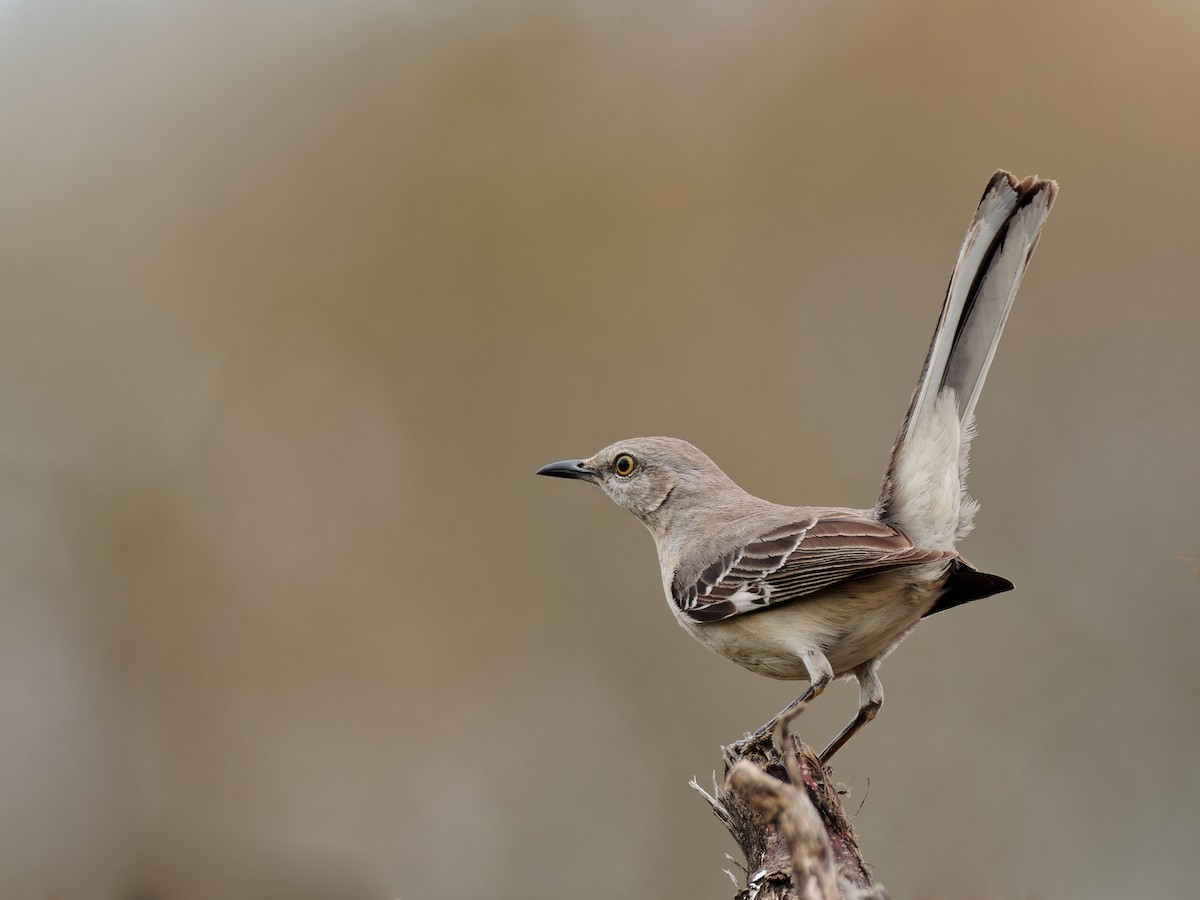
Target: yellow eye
{"type": "Point", "coordinates": [624, 465]}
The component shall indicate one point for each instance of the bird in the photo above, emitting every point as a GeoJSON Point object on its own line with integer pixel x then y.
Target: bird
{"type": "Point", "coordinates": [816, 593]}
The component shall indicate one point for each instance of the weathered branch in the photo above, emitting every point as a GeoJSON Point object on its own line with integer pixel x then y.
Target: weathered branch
{"type": "Point", "coordinates": [789, 822]}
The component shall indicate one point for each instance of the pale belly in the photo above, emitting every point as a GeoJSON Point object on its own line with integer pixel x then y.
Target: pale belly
{"type": "Point", "coordinates": [850, 624]}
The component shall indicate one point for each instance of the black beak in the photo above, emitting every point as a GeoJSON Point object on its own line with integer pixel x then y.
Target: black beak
{"type": "Point", "coordinates": [570, 468]}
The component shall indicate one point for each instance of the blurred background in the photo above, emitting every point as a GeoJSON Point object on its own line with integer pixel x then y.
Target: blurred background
{"type": "Point", "coordinates": [298, 295]}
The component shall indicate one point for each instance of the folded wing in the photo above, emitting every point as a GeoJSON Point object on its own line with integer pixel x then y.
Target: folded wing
{"type": "Point", "coordinates": [794, 561]}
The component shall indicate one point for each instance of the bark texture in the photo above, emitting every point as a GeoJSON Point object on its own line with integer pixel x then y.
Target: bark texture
{"type": "Point", "coordinates": [790, 824]}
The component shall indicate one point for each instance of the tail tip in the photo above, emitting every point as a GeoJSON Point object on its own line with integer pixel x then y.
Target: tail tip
{"type": "Point", "coordinates": [1027, 189]}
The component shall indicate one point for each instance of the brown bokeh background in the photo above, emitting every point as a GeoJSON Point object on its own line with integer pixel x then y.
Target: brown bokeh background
{"type": "Point", "coordinates": [298, 295]}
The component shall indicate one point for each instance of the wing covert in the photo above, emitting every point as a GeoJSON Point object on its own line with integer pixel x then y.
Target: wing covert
{"type": "Point", "coordinates": [793, 561]}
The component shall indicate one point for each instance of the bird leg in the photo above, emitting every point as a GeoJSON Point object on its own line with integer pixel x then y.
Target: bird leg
{"type": "Point", "coordinates": [820, 673]}
{"type": "Point", "coordinates": [870, 694]}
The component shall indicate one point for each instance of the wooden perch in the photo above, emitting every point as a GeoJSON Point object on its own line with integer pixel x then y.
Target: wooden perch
{"type": "Point", "coordinates": [789, 822]}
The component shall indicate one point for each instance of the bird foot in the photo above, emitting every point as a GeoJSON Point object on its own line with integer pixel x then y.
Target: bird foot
{"type": "Point", "coordinates": [761, 743]}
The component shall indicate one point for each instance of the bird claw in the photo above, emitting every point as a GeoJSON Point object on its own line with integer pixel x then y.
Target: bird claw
{"type": "Point", "coordinates": [761, 743]}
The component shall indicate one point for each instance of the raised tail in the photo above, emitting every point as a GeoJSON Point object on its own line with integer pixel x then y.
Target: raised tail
{"type": "Point", "coordinates": [935, 436]}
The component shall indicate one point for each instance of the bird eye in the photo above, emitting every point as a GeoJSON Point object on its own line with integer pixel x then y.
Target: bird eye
{"type": "Point", "coordinates": [624, 465]}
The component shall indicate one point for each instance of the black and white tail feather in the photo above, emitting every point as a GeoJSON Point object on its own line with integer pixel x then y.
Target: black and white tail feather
{"type": "Point", "coordinates": [924, 492]}
{"type": "Point", "coordinates": [991, 263]}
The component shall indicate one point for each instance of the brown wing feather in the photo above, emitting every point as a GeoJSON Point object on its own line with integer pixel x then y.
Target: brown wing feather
{"type": "Point", "coordinates": [797, 560]}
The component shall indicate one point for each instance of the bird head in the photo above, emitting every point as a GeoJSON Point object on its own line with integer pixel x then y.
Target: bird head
{"type": "Point", "coordinates": [650, 476]}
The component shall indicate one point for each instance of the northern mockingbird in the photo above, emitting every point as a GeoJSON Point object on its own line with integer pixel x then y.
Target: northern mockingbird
{"type": "Point", "coordinates": [816, 593]}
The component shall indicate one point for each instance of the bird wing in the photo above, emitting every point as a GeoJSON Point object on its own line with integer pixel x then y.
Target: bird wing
{"type": "Point", "coordinates": [793, 561]}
